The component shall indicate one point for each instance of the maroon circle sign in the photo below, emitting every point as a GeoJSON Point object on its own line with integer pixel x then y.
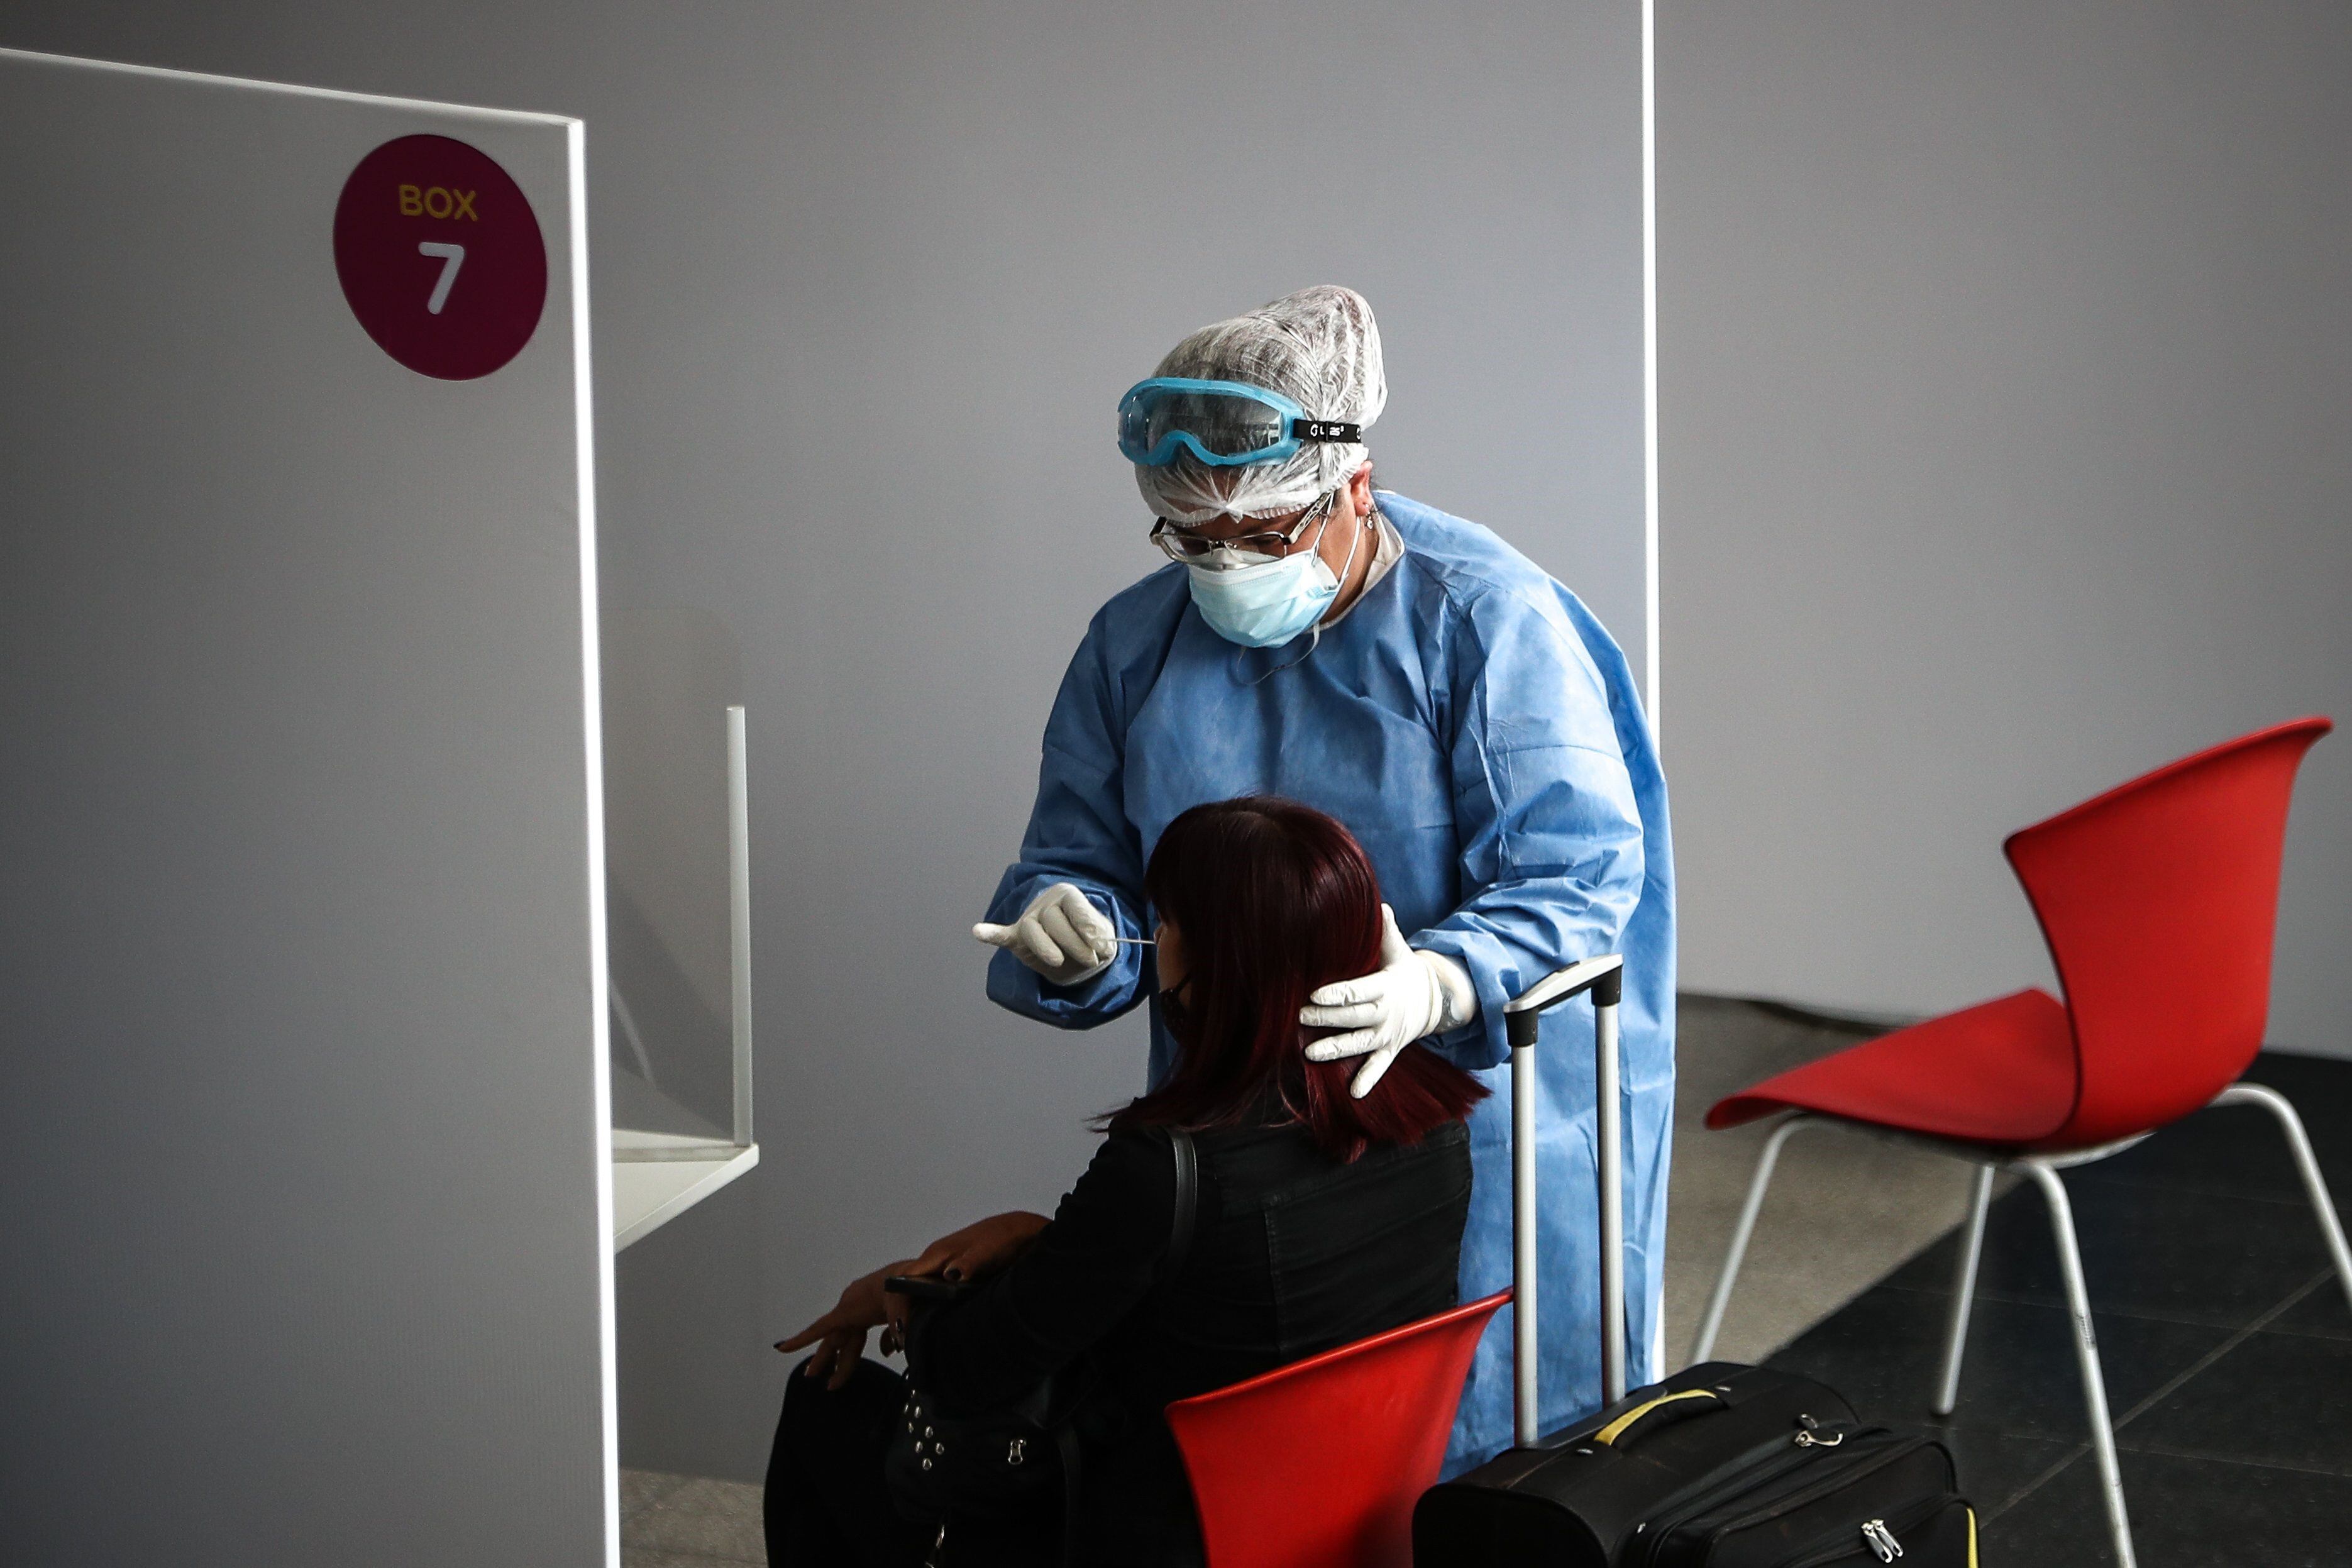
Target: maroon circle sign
{"type": "Point", "coordinates": [440, 257]}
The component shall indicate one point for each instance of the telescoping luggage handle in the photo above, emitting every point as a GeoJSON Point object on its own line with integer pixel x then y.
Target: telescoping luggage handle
{"type": "Point", "coordinates": [1605, 977]}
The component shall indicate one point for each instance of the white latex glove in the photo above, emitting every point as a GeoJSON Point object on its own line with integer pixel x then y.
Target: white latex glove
{"type": "Point", "coordinates": [1061, 936]}
{"type": "Point", "coordinates": [1412, 994]}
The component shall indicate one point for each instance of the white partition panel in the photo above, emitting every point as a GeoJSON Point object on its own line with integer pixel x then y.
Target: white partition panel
{"type": "Point", "coordinates": [2009, 403]}
{"type": "Point", "coordinates": [302, 1120]}
{"type": "Point", "coordinates": [816, 226]}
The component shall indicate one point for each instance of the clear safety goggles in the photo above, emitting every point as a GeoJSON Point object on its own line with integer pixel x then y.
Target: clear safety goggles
{"type": "Point", "coordinates": [1220, 422]}
{"type": "Point", "coordinates": [1180, 543]}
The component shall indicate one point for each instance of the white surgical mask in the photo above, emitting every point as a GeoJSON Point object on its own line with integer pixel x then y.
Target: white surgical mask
{"type": "Point", "coordinates": [1266, 604]}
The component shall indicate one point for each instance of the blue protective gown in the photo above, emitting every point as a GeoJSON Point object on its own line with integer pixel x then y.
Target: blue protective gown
{"type": "Point", "coordinates": [1477, 730]}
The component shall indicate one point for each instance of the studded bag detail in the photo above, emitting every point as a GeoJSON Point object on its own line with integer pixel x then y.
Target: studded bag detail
{"type": "Point", "coordinates": [942, 1467]}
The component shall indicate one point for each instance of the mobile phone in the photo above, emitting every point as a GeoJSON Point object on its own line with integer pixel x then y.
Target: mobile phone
{"type": "Point", "coordinates": [923, 1288]}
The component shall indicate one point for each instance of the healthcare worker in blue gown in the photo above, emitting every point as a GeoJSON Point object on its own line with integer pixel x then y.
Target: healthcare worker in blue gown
{"type": "Point", "coordinates": [1462, 712]}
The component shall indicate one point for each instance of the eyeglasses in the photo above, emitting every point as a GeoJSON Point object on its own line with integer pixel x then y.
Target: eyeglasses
{"type": "Point", "coordinates": [1180, 543]}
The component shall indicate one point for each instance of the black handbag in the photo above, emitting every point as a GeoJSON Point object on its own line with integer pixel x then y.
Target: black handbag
{"type": "Point", "coordinates": [942, 1467]}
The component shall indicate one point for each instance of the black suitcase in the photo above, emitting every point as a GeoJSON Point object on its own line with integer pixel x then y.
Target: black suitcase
{"type": "Point", "coordinates": [1721, 1465]}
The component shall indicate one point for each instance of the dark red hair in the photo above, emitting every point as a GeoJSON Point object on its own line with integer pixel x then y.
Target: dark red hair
{"type": "Point", "coordinates": [1271, 900]}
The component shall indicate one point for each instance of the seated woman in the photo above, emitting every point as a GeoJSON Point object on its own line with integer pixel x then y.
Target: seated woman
{"type": "Point", "coordinates": [1320, 1218]}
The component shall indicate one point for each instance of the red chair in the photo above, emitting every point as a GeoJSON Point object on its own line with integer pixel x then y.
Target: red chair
{"type": "Point", "coordinates": [1318, 1464]}
{"type": "Point", "coordinates": [2158, 900]}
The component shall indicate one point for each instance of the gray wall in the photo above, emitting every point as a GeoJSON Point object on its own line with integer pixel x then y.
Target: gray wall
{"type": "Point", "coordinates": [303, 1257]}
{"type": "Point", "coordinates": [2006, 404]}
{"type": "Point", "coordinates": [868, 281]}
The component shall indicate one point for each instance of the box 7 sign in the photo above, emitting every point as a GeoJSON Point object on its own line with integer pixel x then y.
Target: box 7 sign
{"type": "Point", "coordinates": [440, 257]}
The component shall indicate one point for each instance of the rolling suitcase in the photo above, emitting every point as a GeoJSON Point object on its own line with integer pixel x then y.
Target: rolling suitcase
{"type": "Point", "coordinates": [1719, 1466]}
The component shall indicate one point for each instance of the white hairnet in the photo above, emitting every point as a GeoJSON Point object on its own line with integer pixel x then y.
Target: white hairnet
{"type": "Point", "coordinates": [1319, 347]}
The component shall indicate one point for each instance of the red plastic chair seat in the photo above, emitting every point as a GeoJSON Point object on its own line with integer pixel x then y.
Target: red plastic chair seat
{"type": "Point", "coordinates": [2002, 1072]}
{"type": "Point", "coordinates": [1318, 1464]}
{"type": "Point", "coordinates": [2158, 900]}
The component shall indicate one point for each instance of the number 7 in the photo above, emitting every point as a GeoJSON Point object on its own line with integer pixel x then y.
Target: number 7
{"type": "Point", "coordinates": [453, 256]}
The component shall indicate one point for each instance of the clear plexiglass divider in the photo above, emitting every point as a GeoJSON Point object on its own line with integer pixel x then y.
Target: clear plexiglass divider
{"type": "Point", "coordinates": [678, 897]}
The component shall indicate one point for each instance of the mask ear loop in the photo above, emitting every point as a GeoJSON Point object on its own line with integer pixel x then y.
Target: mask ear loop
{"type": "Point", "coordinates": [1315, 637]}
{"type": "Point", "coordinates": [1241, 656]}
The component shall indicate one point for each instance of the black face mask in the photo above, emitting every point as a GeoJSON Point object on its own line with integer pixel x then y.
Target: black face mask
{"type": "Point", "coordinates": [1176, 1011]}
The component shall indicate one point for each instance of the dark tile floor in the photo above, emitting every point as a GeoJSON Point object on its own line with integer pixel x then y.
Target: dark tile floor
{"type": "Point", "coordinates": [2226, 1338]}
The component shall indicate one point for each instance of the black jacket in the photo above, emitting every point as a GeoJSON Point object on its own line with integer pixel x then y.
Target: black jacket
{"type": "Point", "coordinates": [1293, 1253]}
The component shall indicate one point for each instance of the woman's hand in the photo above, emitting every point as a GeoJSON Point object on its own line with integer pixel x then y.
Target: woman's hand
{"type": "Point", "coordinates": [840, 1335]}
{"type": "Point", "coordinates": [972, 1252]}
{"type": "Point", "coordinates": [980, 1248]}
{"type": "Point", "coordinates": [975, 1252]}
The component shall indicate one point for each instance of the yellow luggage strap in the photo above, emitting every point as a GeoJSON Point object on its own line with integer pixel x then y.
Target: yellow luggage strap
{"type": "Point", "coordinates": [1615, 1429]}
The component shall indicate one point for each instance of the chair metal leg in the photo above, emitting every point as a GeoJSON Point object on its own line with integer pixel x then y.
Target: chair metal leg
{"type": "Point", "coordinates": [2086, 1351]}
{"type": "Point", "coordinates": [1703, 1345]}
{"type": "Point", "coordinates": [2314, 1183]}
{"type": "Point", "coordinates": [1964, 1292]}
